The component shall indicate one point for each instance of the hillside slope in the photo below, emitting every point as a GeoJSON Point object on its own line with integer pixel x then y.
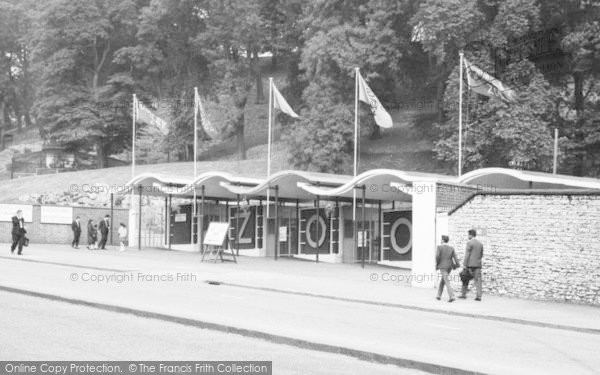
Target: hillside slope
{"type": "Point", "coordinates": [115, 178]}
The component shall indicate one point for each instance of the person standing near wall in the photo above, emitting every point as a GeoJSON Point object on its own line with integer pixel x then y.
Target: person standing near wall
{"type": "Point", "coordinates": [473, 256]}
{"type": "Point", "coordinates": [445, 261]}
{"type": "Point", "coordinates": [18, 232]}
{"type": "Point", "coordinates": [76, 227]}
{"type": "Point", "coordinates": [104, 227]}
{"type": "Point", "coordinates": [91, 235]}
{"type": "Point", "coordinates": [122, 236]}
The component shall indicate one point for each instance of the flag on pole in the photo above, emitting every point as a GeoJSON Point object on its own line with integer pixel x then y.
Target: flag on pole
{"type": "Point", "coordinates": [208, 127]}
{"type": "Point", "coordinates": [280, 103]}
{"type": "Point", "coordinates": [484, 84]}
{"type": "Point", "coordinates": [145, 115]}
{"type": "Point", "coordinates": [366, 95]}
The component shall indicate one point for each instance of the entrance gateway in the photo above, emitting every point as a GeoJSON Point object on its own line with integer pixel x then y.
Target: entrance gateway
{"type": "Point", "coordinates": [314, 216]}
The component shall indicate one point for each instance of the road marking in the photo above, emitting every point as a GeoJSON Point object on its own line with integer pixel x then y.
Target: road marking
{"type": "Point", "coordinates": [441, 326]}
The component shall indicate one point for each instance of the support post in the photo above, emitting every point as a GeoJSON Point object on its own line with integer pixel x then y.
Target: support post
{"type": "Point", "coordinates": [423, 234]}
{"type": "Point", "coordinates": [201, 222]}
{"type": "Point", "coordinates": [169, 219]}
{"type": "Point", "coordinates": [166, 219]}
{"type": "Point", "coordinates": [298, 225]}
{"type": "Point", "coordinates": [318, 228]}
{"type": "Point", "coordinates": [380, 230]}
{"type": "Point", "coordinates": [140, 219]}
{"type": "Point", "coordinates": [338, 238]}
{"type": "Point", "coordinates": [227, 220]}
{"type": "Point", "coordinates": [362, 227]}
{"type": "Point", "coordinates": [354, 226]}
{"type": "Point", "coordinates": [237, 227]}
{"type": "Point", "coordinates": [276, 221]}
{"type": "Point", "coordinates": [112, 208]}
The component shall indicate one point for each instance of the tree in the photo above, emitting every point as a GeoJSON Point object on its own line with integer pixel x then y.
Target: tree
{"type": "Point", "coordinates": [340, 36]}
{"type": "Point", "coordinates": [165, 63]}
{"type": "Point", "coordinates": [234, 38]}
{"type": "Point", "coordinates": [16, 84]}
{"type": "Point", "coordinates": [73, 45]}
{"type": "Point", "coordinates": [577, 100]}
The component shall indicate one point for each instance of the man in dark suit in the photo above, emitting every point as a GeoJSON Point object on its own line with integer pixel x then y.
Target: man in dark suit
{"type": "Point", "coordinates": [76, 227]}
{"type": "Point", "coordinates": [445, 261]}
{"type": "Point", "coordinates": [104, 227]}
{"type": "Point", "coordinates": [473, 256]}
{"type": "Point", "coordinates": [18, 232]}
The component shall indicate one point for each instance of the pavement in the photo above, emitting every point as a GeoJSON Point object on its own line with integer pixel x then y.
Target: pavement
{"type": "Point", "coordinates": [326, 307]}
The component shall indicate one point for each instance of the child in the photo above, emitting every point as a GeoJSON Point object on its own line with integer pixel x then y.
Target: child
{"type": "Point", "coordinates": [122, 236]}
{"type": "Point", "coordinates": [97, 236]}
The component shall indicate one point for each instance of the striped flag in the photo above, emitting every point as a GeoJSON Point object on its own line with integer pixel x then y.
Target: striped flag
{"type": "Point", "coordinates": [484, 84]}
{"type": "Point", "coordinates": [366, 95]}
{"type": "Point", "coordinates": [145, 115]}
{"type": "Point", "coordinates": [208, 127]}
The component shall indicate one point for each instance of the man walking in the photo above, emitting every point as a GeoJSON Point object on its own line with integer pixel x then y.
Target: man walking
{"type": "Point", "coordinates": [18, 232]}
{"type": "Point", "coordinates": [473, 256]}
{"type": "Point", "coordinates": [445, 261]}
{"type": "Point", "coordinates": [104, 227]}
{"type": "Point", "coordinates": [76, 227]}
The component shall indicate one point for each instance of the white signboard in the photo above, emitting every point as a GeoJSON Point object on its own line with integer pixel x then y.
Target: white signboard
{"type": "Point", "coordinates": [216, 233]}
{"type": "Point", "coordinates": [56, 215]}
{"type": "Point", "coordinates": [180, 218]}
{"type": "Point", "coordinates": [7, 211]}
{"type": "Point", "coordinates": [362, 238]}
{"type": "Point", "coordinates": [283, 234]}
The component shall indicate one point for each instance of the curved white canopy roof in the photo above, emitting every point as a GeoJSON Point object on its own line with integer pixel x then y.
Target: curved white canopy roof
{"type": "Point", "coordinates": [158, 184]}
{"type": "Point", "coordinates": [505, 178]}
{"type": "Point", "coordinates": [380, 184]}
{"type": "Point", "coordinates": [287, 184]}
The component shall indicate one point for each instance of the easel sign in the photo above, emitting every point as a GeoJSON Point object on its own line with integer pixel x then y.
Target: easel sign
{"type": "Point", "coordinates": [214, 241]}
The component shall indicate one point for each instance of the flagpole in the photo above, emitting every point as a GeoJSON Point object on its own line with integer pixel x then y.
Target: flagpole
{"type": "Point", "coordinates": [134, 119]}
{"type": "Point", "coordinates": [134, 114]}
{"type": "Point", "coordinates": [554, 165]}
{"type": "Point", "coordinates": [195, 130]}
{"type": "Point", "coordinates": [269, 141]}
{"type": "Point", "coordinates": [194, 206]}
{"type": "Point", "coordinates": [460, 90]}
{"type": "Point", "coordinates": [355, 139]}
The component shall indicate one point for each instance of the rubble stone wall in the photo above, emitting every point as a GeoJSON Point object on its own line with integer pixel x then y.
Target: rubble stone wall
{"type": "Point", "coordinates": [536, 246]}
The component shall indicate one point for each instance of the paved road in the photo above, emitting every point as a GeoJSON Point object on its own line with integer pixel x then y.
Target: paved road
{"type": "Point", "coordinates": [473, 344]}
{"type": "Point", "coordinates": [34, 329]}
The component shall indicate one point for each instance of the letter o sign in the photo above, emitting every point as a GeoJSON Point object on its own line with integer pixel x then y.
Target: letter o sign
{"type": "Point", "coordinates": [404, 224]}
{"type": "Point", "coordinates": [322, 231]}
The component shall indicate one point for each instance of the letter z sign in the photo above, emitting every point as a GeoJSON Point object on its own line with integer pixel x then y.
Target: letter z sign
{"type": "Point", "coordinates": [247, 222]}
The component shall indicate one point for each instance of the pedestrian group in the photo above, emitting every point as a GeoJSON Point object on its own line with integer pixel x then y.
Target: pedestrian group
{"type": "Point", "coordinates": [446, 261]}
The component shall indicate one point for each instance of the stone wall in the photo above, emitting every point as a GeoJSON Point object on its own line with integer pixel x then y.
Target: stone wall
{"type": "Point", "coordinates": [543, 246]}
{"type": "Point", "coordinates": [39, 232]}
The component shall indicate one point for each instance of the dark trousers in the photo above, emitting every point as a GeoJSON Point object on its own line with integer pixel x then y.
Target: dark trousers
{"type": "Point", "coordinates": [76, 236]}
{"type": "Point", "coordinates": [18, 239]}
{"type": "Point", "coordinates": [102, 242]}
{"type": "Point", "coordinates": [476, 272]}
